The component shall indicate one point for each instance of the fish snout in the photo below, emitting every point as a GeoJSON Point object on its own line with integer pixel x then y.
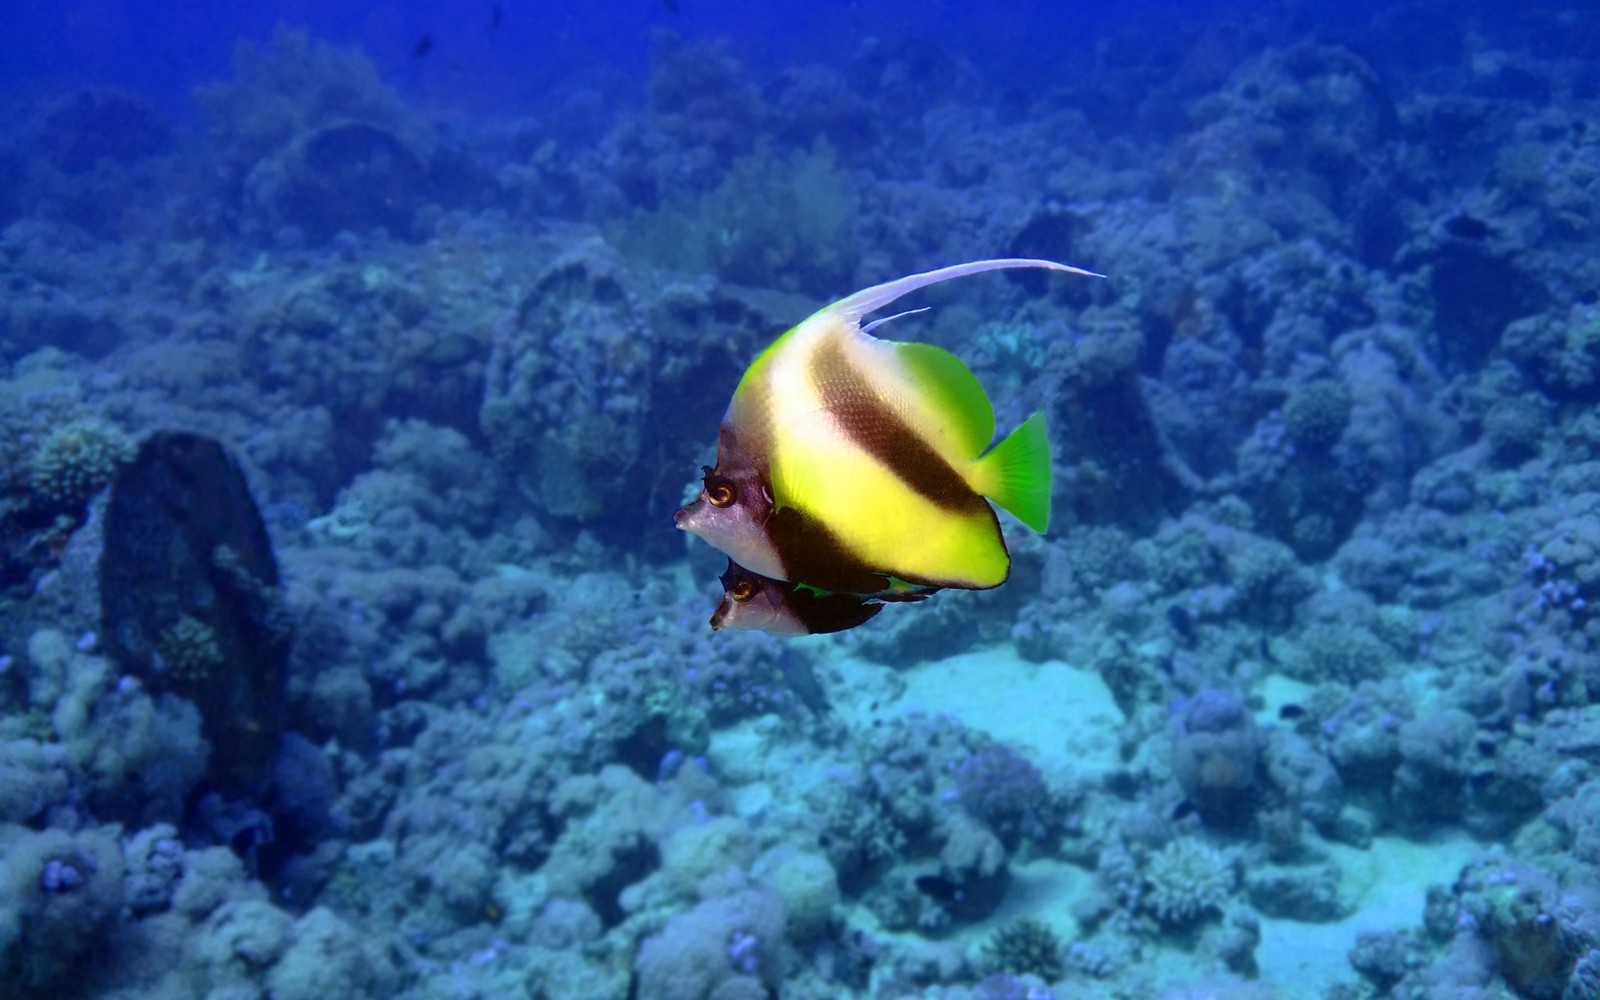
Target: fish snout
{"type": "Point", "coordinates": [687, 515]}
{"type": "Point", "coordinates": [719, 617]}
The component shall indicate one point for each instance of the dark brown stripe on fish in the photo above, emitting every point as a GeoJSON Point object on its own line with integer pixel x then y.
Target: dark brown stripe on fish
{"type": "Point", "coordinates": [871, 424]}
{"type": "Point", "coordinates": [814, 555]}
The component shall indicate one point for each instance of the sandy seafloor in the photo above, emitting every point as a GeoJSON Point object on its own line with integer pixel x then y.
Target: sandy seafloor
{"type": "Point", "coordinates": [347, 648]}
{"type": "Point", "coordinates": [1066, 721]}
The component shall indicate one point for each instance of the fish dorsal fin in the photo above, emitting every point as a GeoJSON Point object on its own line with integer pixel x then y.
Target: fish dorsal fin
{"type": "Point", "coordinates": [948, 396]}
{"type": "Point", "coordinates": [869, 300]}
{"type": "Point", "coordinates": [843, 318]}
{"type": "Point", "coordinates": [945, 393]}
{"type": "Point", "coordinates": [889, 319]}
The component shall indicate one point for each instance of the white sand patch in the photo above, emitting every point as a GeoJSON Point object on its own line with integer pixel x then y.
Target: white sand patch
{"type": "Point", "coordinates": [1041, 890]}
{"type": "Point", "coordinates": [1276, 691]}
{"type": "Point", "coordinates": [1388, 886]}
{"type": "Point", "coordinates": [1060, 717]}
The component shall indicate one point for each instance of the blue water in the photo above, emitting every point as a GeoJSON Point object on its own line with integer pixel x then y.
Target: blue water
{"type": "Point", "coordinates": [354, 361]}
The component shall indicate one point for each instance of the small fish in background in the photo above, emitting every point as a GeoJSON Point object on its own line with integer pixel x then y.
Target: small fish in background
{"type": "Point", "coordinates": [855, 465]}
{"type": "Point", "coordinates": [423, 46]}
{"type": "Point", "coordinates": [1465, 227]}
{"type": "Point", "coordinates": [937, 887]}
{"type": "Point", "coordinates": [497, 15]}
{"type": "Point", "coordinates": [759, 603]}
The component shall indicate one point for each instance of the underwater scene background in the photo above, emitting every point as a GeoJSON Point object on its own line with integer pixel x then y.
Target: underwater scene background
{"type": "Point", "coordinates": [354, 360]}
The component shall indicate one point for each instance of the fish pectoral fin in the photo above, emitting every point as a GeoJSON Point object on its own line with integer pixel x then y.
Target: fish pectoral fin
{"type": "Point", "coordinates": [1016, 474]}
{"type": "Point", "coordinates": [904, 592]}
{"type": "Point", "coordinates": [947, 394]}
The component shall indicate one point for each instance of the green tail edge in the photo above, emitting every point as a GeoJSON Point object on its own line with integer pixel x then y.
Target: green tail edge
{"type": "Point", "coordinates": [1018, 472]}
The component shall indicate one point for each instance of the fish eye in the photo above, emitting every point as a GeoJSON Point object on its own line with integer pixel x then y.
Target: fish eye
{"type": "Point", "coordinates": [742, 591]}
{"type": "Point", "coordinates": [720, 493]}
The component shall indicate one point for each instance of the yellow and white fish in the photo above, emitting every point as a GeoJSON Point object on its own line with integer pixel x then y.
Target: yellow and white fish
{"type": "Point", "coordinates": [860, 466]}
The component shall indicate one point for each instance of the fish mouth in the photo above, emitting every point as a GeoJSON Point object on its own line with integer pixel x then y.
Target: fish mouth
{"type": "Point", "coordinates": [686, 516]}
{"type": "Point", "coordinates": [719, 617]}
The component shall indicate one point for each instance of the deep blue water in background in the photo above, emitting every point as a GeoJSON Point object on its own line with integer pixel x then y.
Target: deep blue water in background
{"type": "Point", "coordinates": [503, 56]}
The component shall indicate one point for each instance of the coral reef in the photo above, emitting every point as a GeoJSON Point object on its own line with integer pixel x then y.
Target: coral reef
{"type": "Point", "coordinates": [1312, 639]}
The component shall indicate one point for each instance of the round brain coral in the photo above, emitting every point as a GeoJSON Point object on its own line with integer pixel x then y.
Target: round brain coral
{"type": "Point", "coordinates": [76, 460]}
{"type": "Point", "coordinates": [1006, 792]}
{"type": "Point", "coordinates": [1515, 427]}
{"type": "Point", "coordinates": [1316, 414]}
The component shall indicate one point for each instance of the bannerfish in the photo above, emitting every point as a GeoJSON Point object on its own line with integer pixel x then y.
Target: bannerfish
{"type": "Point", "coordinates": [857, 465]}
{"type": "Point", "coordinates": [752, 601]}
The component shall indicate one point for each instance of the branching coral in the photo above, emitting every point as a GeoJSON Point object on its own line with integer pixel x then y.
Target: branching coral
{"type": "Point", "coordinates": [76, 460]}
{"type": "Point", "coordinates": [1025, 948]}
{"type": "Point", "coordinates": [1185, 880]}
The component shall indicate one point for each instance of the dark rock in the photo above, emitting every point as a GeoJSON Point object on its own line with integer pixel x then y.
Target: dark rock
{"type": "Point", "coordinates": [190, 602]}
{"type": "Point", "coordinates": [1478, 287]}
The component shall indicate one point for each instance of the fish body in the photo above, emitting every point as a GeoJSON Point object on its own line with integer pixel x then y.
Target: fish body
{"type": "Point", "coordinates": [862, 466]}
{"type": "Point", "coordinates": [762, 604]}
{"type": "Point", "coordinates": [752, 601]}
